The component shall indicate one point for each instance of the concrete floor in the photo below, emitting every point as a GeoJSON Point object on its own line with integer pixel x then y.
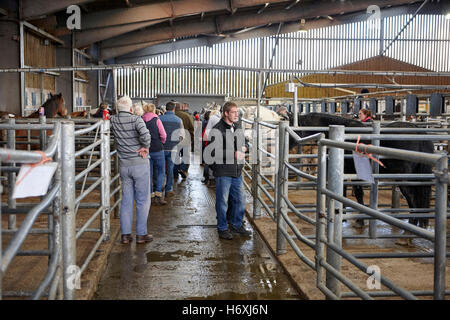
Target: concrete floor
{"type": "Point", "coordinates": [187, 260]}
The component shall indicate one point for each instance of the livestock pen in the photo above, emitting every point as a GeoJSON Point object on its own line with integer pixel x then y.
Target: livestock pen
{"type": "Point", "coordinates": [309, 215]}
{"type": "Point", "coordinates": [68, 225]}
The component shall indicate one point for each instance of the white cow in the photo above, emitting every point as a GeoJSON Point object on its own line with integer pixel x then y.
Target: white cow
{"type": "Point", "coordinates": [269, 135]}
{"type": "Point", "coordinates": [249, 112]}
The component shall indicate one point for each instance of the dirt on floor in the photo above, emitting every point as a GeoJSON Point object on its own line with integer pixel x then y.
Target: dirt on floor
{"type": "Point", "coordinates": [407, 273]}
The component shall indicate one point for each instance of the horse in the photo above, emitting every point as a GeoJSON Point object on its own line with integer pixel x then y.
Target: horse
{"type": "Point", "coordinates": [416, 196]}
{"type": "Point", "coordinates": [78, 114]}
{"type": "Point", "coordinates": [53, 107]}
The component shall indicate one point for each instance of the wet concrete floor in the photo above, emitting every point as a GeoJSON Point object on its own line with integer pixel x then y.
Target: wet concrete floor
{"type": "Point", "coordinates": [187, 260]}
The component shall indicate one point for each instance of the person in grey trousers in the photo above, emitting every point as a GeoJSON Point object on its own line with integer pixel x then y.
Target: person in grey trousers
{"type": "Point", "coordinates": [132, 142]}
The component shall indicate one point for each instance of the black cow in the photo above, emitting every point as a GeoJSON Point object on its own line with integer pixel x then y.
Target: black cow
{"type": "Point", "coordinates": [416, 196]}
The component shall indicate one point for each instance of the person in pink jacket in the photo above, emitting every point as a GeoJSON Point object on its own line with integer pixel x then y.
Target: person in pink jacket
{"type": "Point", "coordinates": [156, 152]}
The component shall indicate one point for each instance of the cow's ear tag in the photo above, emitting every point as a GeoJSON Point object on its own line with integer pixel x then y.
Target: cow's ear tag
{"type": "Point", "coordinates": [363, 168]}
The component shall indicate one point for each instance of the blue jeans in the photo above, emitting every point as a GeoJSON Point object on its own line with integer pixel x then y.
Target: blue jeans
{"type": "Point", "coordinates": [169, 170]}
{"type": "Point", "coordinates": [157, 171]}
{"type": "Point", "coordinates": [135, 185]}
{"type": "Point", "coordinates": [182, 166]}
{"type": "Point", "coordinates": [229, 187]}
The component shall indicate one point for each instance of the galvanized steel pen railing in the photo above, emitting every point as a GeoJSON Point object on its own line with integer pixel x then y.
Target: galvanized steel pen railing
{"type": "Point", "coordinates": [63, 253]}
{"type": "Point", "coordinates": [257, 175]}
{"type": "Point", "coordinates": [53, 276]}
{"type": "Point", "coordinates": [381, 107]}
{"type": "Point", "coordinates": [331, 263]}
{"type": "Point", "coordinates": [329, 226]}
{"type": "Point", "coordinates": [97, 136]}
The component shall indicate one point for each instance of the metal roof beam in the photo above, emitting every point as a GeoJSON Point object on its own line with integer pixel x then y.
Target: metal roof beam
{"type": "Point", "coordinates": [154, 50]}
{"type": "Point", "coordinates": [292, 4]}
{"type": "Point", "coordinates": [166, 48]}
{"type": "Point", "coordinates": [32, 9]}
{"type": "Point", "coordinates": [88, 37]}
{"type": "Point", "coordinates": [263, 8]}
{"type": "Point", "coordinates": [162, 10]}
{"type": "Point", "coordinates": [103, 25]}
{"type": "Point", "coordinates": [140, 39]}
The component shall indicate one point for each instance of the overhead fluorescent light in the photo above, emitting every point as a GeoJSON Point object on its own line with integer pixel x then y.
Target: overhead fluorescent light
{"type": "Point", "coordinates": [447, 16]}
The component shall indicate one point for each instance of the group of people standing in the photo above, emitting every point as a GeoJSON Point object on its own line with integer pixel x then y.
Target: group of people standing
{"type": "Point", "coordinates": [147, 147]}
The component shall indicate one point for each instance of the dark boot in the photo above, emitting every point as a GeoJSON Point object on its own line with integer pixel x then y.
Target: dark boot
{"type": "Point", "coordinates": [159, 201]}
{"type": "Point", "coordinates": [144, 238]}
{"type": "Point", "coordinates": [126, 238]}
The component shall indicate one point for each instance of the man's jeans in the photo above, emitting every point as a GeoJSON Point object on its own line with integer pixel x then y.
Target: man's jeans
{"type": "Point", "coordinates": [225, 187]}
{"type": "Point", "coordinates": [169, 170]}
{"type": "Point", "coordinates": [157, 172]}
{"type": "Point", "coordinates": [182, 166]}
{"type": "Point", "coordinates": [135, 185]}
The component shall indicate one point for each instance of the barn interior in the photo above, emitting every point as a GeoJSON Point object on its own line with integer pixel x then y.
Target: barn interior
{"type": "Point", "coordinates": [305, 56]}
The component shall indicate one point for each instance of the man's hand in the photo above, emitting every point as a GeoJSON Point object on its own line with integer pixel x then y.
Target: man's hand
{"type": "Point", "coordinates": [239, 155]}
{"type": "Point", "coordinates": [143, 152]}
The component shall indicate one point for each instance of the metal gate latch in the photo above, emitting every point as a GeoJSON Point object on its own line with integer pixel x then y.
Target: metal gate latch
{"type": "Point", "coordinates": [442, 176]}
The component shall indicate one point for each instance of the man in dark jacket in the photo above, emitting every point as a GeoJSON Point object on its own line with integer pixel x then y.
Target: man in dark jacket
{"type": "Point", "coordinates": [188, 124]}
{"type": "Point", "coordinates": [173, 125]}
{"type": "Point", "coordinates": [229, 147]}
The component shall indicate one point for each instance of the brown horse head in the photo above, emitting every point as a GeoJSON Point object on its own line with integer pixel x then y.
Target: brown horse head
{"type": "Point", "coordinates": [53, 106]}
{"type": "Point", "coordinates": [61, 109]}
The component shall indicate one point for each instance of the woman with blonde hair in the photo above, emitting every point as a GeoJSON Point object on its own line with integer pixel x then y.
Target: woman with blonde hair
{"type": "Point", "coordinates": [156, 153]}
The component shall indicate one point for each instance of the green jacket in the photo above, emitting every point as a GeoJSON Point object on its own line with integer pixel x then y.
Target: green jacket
{"type": "Point", "coordinates": [188, 122]}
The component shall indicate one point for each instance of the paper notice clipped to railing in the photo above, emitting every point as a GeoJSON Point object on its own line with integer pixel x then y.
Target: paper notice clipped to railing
{"type": "Point", "coordinates": [34, 181]}
{"type": "Point", "coordinates": [363, 168]}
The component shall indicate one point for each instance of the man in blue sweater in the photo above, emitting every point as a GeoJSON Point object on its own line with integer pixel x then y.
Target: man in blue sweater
{"type": "Point", "coordinates": [175, 133]}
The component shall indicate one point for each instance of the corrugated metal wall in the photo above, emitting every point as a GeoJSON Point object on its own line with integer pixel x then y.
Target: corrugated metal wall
{"type": "Point", "coordinates": [425, 43]}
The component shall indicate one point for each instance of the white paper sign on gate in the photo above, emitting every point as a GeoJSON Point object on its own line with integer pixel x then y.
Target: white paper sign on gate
{"type": "Point", "coordinates": [363, 168]}
{"type": "Point", "coordinates": [34, 181]}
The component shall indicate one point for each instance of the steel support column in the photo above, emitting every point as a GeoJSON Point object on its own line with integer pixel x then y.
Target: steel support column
{"type": "Point", "coordinates": [11, 176]}
{"type": "Point", "coordinates": [334, 214]}
{"type": "Point", "coordinates": [282, 186]}
{"type": "Point", "coordinates": [374, 186]}
{"type": "Point", "coordinates": [440, 229]}
{"type": "Point", "coordinates": [68, 209]}
{"type": "Point", "coordinates": [1, 247]}
{"type": "Point", "coordinates": [320, 212]}
{"type": "Point", "coordinates": [22, 65]}
{"type": "Point", "coordinates": [106, 173]}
